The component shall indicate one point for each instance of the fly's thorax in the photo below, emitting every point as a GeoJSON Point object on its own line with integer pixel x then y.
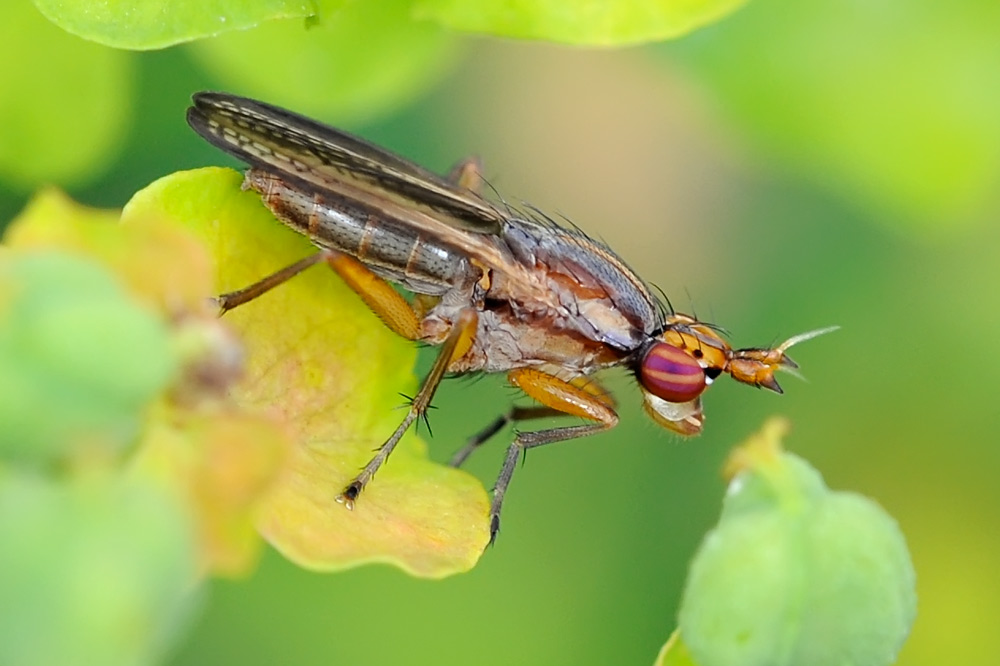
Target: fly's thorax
{"type": "Point", "coordinates": [391, 248]}
{"type": "Point", "coordinates": [595, 293]}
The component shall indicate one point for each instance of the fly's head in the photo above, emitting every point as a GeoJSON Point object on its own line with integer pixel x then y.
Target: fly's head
{"type": "Point", "coordinates": [678, 365]}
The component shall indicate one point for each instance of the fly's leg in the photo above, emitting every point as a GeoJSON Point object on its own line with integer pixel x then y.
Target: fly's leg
{"type": "Point", "coordinates": [563, 397]}
{"type": "Point", "coordinates": [457, 343]}
{"type": "Point", "coordinates": [387, 303]}
{"type": "Point", "coordinates": [468, 174]}
{"type": "Point", "coordinates": [529, 440]}
{"type": "Point", "coordinates": [513, 415]}
{"type": "Point", "coordinates": [232, 299]}
{"type": "Point", "coordinates": [398, 315]}
{"type": "Point", "coordinates": [516, 414]}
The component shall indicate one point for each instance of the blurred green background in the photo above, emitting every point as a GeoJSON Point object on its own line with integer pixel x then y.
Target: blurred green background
{"type": "Point", "coordinates": [794, 166]}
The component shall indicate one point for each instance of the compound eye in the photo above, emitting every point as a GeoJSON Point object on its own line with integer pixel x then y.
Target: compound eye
{"type": "Point", "coordinates": [670, 373]}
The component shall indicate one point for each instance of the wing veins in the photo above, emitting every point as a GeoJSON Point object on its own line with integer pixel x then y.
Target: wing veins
{"type": "Point", "coordinates": [291, 145]}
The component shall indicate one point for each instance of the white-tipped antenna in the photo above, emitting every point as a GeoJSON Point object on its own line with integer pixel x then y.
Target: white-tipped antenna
{"type": "Point", "coordinates": [802, 337]}
{"type": "Point", "coordinates": [790, 366]}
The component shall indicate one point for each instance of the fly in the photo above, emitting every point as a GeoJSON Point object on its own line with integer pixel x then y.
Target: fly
{"type": "Point", "coordinates": [496, 290]}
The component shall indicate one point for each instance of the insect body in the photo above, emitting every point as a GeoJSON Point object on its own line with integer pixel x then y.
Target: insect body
{"type": "Point", "coordinates": [497, 290]}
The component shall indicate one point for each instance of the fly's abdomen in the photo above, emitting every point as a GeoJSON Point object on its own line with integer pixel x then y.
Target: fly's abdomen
{"type": "Point", "coordinates": [391, 248]}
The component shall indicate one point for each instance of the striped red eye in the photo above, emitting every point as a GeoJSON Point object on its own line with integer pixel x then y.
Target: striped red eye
{"type": "Point", "coordinates": [668, 372]}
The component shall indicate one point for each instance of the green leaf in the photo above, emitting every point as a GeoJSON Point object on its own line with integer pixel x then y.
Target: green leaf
{"type": "Point", "coordinates": [64, 103]}
{"type": "Point", "coordinates": [894, 105]}
{"type": "Point", "coordinates": [154, 24]}
{"type": "Point", "coordinates": [354, 62]}
{"type": "Point", "coordinates": [61, 370]}
{"type": "Point", "coordinates": [222, 460]}
{"type": "Point", "coordinates": [79, 359]}
{"type": "Point", "coordinates": [674, 653]}
{"type": "Point", "coordinates": [161, 264]}
{"type": "Point", "coordinates": [795, 573]}
{"type": "Point", "coordinates": [99, 570]}
{"type": "Point", "coordinates": [321, 364]}
{"type": "Point", "coordinates": [591, 22]}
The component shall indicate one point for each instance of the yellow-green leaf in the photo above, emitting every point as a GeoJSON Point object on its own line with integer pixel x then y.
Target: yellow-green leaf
{"type": "Point", "coordinates": [97, 569]}
{"type": "Point", "coordinates": [80, 356]}
{"type": "Point", "coordinates": [64, 103]}
{"type": "Point", "coordinates": [154, 24]}
{"type": "Point", "coordinates": [354, 62]}
{"type": "Point", "coordinates": [891, 104]}
{"type": "Point", "coordinates": [319, 363]}
{"type": "Point", "coordinates": [223, 460]}
{"type": "Point", "coordinates": [588, 22]}
{"type": "Point", "coordinates": [674, 653]}
{"type": "Point", "coordinates": [795, 573]}
{"type": "Point", "coordinates": [159, 262]}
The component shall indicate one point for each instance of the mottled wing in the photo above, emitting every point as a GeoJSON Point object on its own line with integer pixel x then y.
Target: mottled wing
{"type": "Point", "coordinates": [326, 159]}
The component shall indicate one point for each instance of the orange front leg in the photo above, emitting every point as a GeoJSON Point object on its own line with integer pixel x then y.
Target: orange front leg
{"type": "Point", "coordinates": [596, 389]}
{"type": "Point", "coordinates": [468, 174]}
{"type": "Point", "coordinates": [387, 303]}
{"type": "Point", "coordinates": [576, 398]}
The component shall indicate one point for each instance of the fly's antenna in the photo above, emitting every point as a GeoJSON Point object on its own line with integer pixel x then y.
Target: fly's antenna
{"type": "Point", "coordinates": [802, 337]}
